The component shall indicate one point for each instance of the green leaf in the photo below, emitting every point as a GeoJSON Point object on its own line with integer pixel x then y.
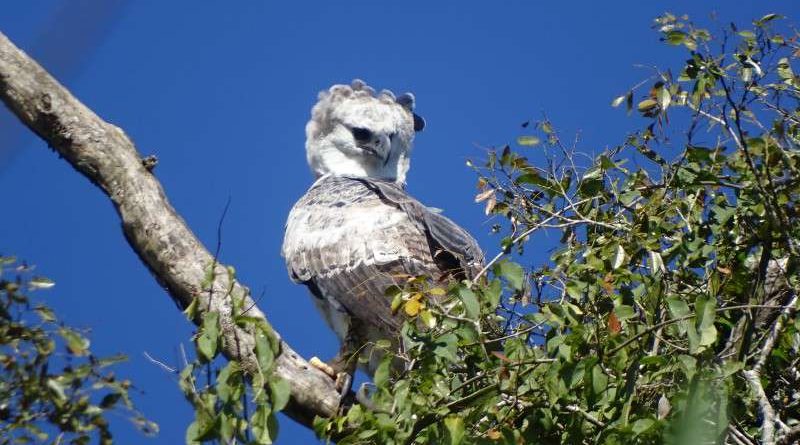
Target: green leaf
{"type": "Point", "coordinates": [575, 289]}
{"type": "Point", "coordinates": [229, 384]}
{"type": "Point", "coordinates": [689, 365]}
{"type": "Point", "coordinates": [532, 178]}
{"type": "Point", "coordinates": [56, 388]}
{"type": "Point", "coordinates": [748, 35]}
{"type": "Point", "coordinates": [260, 425]}
{"type": "Point", "coordinates": [226, 427]}
{"type": "Point", "coordinates": [513, 273]}
{"type": "Point", "coordinates": [679, 309]}
{"type": "Point", "coordinates": [664, 98]}
{"type": "Point", "coordinates": [264, 353]}
{"type": "Point", "coordinates": [706, 314]}
{"type": "Point", "coordinates": [493, 292]}
{"type": "Point", "coordinates": [675, 37]}
{"type": "Point", "coordinates": [192, 431]}
{"type": "Point", "coordinates": [471, 306]}
{"type": "Point", "coordinates": [109, 400]}
{"type": "Point", "coordinates": [446, 347]}
{"type": "Point", "coordinates": [455, 429]}
{"type": "Point", "coordinates": [428, 319]}
{"type": "Point", "coordinates": [592, 173]}
{"type": "Point", "coordinates": [768, 18]}
{"type": "Point", "coordinates": [784, 69]}
{"type": "Point", "coordinates": [642, 425]}
{"type": "Point", "coordinates": [45, 313]}
{"type": "Point", "coordinates": [280, 392]}
{"type": "Point", "coordinates": [624, 312]}
{"type": "Point", "coordinates": [208, 339]}
{"type": "Point", "coordinates": [599, 380]}
{"type": "Point", "coordinates": [381, 377]}
{"type": "Point", "coordinates": [40, 283]}
{"type": "Point", "coordinates": [528, 141]}
{"type": "Point", "coordinates": [76, 343]}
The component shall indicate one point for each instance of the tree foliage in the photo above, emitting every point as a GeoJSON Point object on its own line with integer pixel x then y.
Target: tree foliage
{"type": "Point", "coordinates": [667, 311]}
{"type": "Point", "coordinates": [52, 389]}
{"type": "Point", "coordinates": [232, 406]}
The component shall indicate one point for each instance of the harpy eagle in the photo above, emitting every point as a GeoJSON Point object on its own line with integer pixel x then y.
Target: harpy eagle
{"type": "Point", "coordinates": [356, 230]}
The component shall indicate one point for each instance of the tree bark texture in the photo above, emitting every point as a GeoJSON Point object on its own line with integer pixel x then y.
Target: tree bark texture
{"type": "Point", "coordinates": [108, 158]}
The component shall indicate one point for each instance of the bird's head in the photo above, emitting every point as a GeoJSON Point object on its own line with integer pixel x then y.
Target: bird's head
{"type": "Point", "coordinates": [354, 131]}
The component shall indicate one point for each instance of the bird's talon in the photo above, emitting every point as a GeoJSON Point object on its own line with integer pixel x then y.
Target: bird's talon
{"type": "Point", "coordinates": [344, 382]}
{"type": "Point", "coordinates": [324, 367]}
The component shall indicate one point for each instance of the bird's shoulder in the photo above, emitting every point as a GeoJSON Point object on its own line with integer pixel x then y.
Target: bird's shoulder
{"type": "Point", "coordinates": [341, 191]}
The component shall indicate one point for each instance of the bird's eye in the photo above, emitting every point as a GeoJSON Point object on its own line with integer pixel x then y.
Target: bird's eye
{"type": "Point", "coordinates": [361, 134]}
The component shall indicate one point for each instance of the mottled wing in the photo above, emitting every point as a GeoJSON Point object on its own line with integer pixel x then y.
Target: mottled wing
{"type": "Point", "coordinates": [349, 239]}
{"type": "Point", "coordinates": [455, 249]}
{"type": "Point", "coordinates": [348, 245]}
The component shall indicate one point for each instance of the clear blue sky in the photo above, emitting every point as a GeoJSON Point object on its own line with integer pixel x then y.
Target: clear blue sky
{"type": "Point", "coordinates": [220, 92]}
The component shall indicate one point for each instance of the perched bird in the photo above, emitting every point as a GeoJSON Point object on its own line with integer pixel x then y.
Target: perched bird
{"type": "Point", "coordinates": [356, 231]}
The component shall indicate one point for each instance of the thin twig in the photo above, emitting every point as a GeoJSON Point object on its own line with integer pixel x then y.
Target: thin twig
{"type": "Point", "coordinates": [159, 363]}
{"type": "Point", "coordinates": [592, 419]}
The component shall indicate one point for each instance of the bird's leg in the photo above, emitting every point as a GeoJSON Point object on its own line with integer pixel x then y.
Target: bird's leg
{"type": "Point", "coordinates": [346, 359]}
{"type": "Point", "coordinates": [342, 367]}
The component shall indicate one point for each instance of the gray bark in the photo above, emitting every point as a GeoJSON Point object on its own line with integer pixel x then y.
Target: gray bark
{"type": "Point", "coordinates": [159, 236]}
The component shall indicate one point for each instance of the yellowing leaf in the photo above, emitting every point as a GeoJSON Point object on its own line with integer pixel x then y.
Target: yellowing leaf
{"type": "Point", "coordinates": [437, 291]}
{"type": "Point", "coordinates": [412, 307]}
{"type": "Point", "coordinates": [647, 105]}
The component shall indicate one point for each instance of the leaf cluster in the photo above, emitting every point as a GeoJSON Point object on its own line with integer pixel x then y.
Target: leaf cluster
{"type": "Point", "coordinates": [233, 405]}
{"type": "Point", "coordinates": [52, 389]}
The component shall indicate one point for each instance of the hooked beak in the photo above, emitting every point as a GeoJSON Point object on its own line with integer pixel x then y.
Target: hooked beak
{"type": "Point", "coordinates": [380, 147]}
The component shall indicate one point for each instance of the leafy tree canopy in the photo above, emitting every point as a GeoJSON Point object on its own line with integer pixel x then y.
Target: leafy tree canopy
{"type": "Point", "coordinates": [667, 313]}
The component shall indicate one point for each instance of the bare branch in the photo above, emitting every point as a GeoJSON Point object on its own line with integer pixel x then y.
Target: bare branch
{"type": "Point", "coordinates": [107, 157]}
{"type": "Point", "coordinates": [767, 411]}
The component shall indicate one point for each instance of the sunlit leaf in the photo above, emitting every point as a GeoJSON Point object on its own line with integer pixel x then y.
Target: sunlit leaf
{"type": "Point", "coordinates": [471, 306]}
{"type": "Point", "coordinates": [528, 141]}
{"type": "Point", "coordinates": [455, 429]}
{"type": "Point", "coordinates": [40, 283]}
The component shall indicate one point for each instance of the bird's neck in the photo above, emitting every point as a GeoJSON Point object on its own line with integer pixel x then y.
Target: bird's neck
{"type": "Point", "coordinates": [336, 163]}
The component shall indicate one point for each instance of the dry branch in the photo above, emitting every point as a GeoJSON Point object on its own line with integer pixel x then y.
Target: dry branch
{"type": "Point", "coordinates": [107, 157]}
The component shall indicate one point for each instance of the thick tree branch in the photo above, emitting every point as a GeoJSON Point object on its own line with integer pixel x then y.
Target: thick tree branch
{"type": "Point", "coordinates": [107, 157]}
